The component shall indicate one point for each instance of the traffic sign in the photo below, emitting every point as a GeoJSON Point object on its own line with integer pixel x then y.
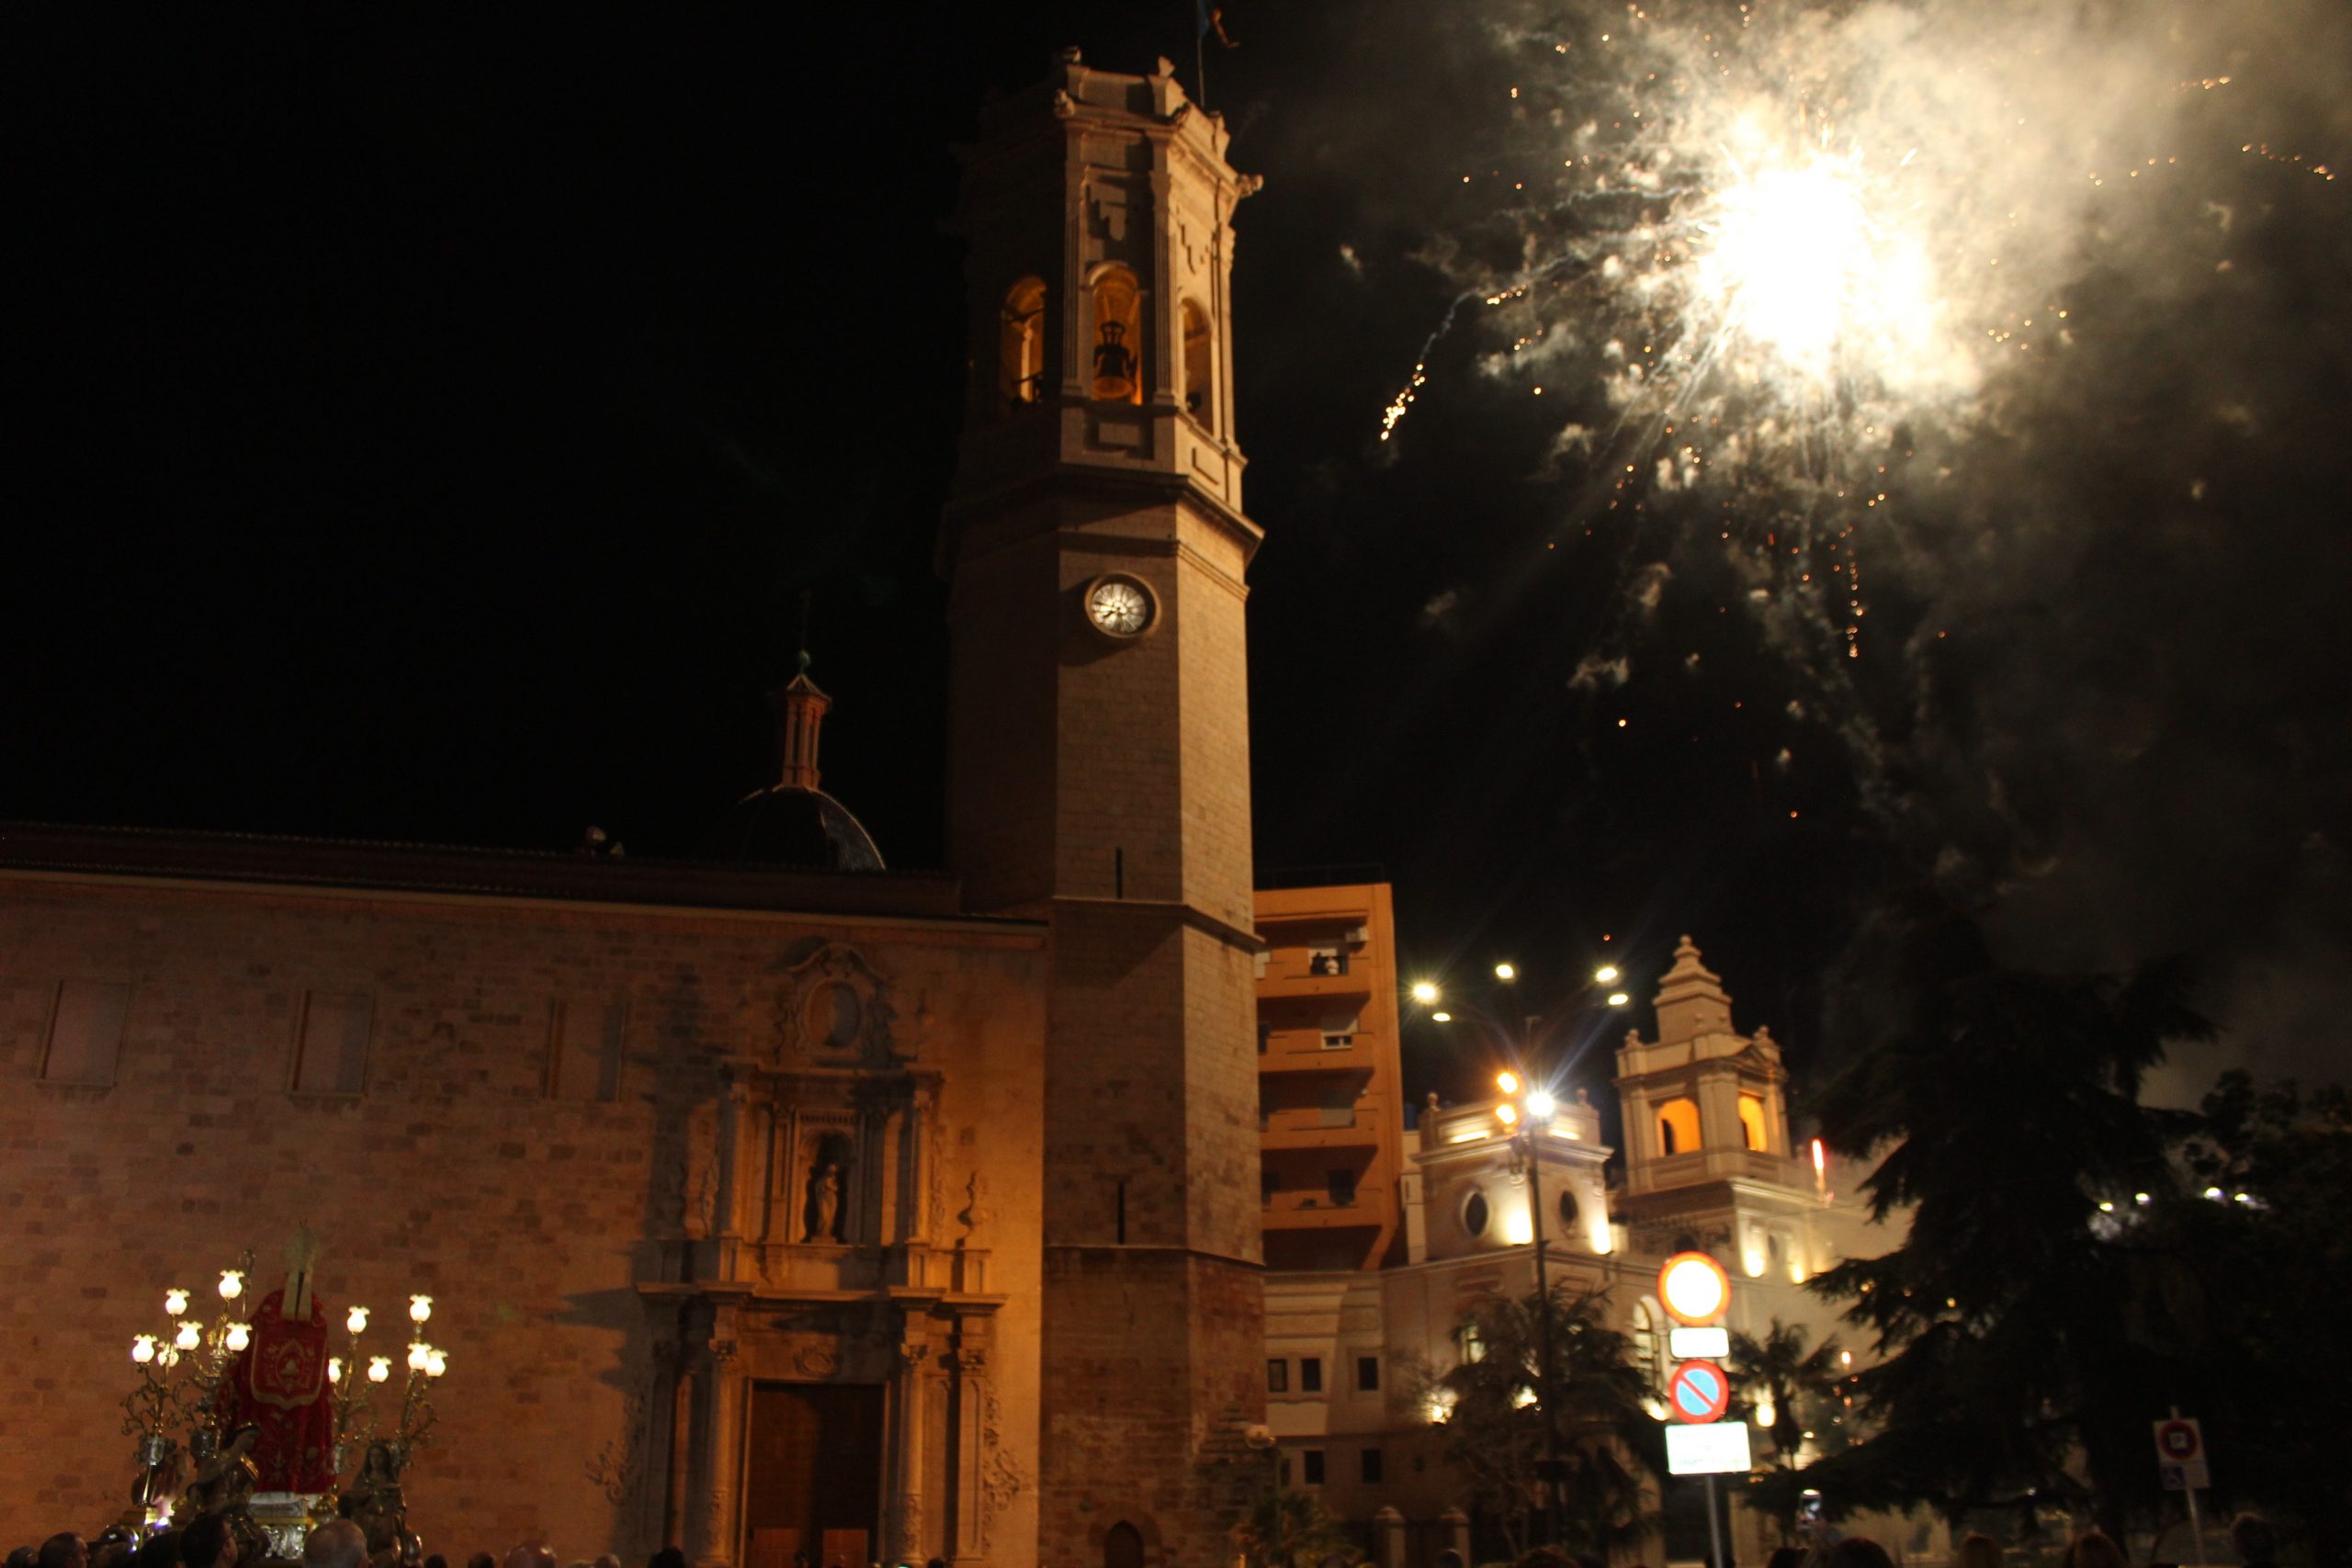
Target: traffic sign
{"type": "Point", "coordinates": [1716, 1449]}
{"type": "Point", "coordinates": [1698, 1393]}
{"type": "Point", "coordinates": [1693, 1289]}
{"type": "Point", "coordinates": [2181, 1455]}
{"type": "Point", "coordinates": [1698, 1344]}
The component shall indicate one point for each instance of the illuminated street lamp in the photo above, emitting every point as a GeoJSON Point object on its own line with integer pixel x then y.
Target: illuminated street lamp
{"type": "Point", "coordinates": [1526, 1132]}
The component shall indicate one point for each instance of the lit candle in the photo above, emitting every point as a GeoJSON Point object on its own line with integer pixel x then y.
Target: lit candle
{"type": "Point", "coordinates": [379, 1367]}
{"type": "Point", "coordinates": [175, 1301]}
{"type": "Point", "coordinates": [142, 1349]}
{"type": "Point", "coordinates": [437, 1361]}
{"type": "Point", "coordinates": [233, 1284]}
{"type": "Point", "coordinates": [357, 1320]}
{"type": "Point", "coordinates": [417, 1351]}
{"type": "Point", "coordinates": [191, 1336]}
{"type": "Point", "coordinates": [334, 1369]}
{"type": "Point", "coordinates": [239, 1335]}
{"type": "Point", "coordinates": [419, 1308]}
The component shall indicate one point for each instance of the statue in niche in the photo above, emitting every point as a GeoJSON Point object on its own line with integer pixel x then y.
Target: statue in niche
{"type": "Point", "coordinates": [821, 1215]}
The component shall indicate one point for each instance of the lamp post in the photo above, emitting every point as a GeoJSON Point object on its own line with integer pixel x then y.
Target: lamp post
{"type": "Point", "coordinates": [1526, 1113]}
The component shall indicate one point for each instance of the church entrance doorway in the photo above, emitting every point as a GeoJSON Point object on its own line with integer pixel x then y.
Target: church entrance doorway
{"type": "Point", "coordinates": [813, 1475]}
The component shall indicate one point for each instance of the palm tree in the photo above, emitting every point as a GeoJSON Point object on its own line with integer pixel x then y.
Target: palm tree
{"type": "Point", "coordinates": [1286, 1529]}
{"type": "Point", "coordinates": [1779, 1372]}
{"type": "Point", "coordinates": [1496, 1402]}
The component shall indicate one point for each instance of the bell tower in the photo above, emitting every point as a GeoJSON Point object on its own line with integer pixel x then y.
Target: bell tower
{"type": "Point", "coordinates": [1099, 776]}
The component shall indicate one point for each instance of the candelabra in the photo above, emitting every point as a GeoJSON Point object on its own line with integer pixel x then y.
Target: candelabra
{"type": "Point", "coordinates": [179, 1377]}
{"type": "Point", "coordinates": [353, 1374]}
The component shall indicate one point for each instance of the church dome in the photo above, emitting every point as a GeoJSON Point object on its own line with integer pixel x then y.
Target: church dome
{"type": "Point", "coordinates": [792, 822]}
{"type": "Point", "coordinates": [783, 825]}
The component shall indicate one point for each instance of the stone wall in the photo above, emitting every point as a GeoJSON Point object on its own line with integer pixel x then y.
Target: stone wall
{"type": "Point", "coordinates": [459, 1171]}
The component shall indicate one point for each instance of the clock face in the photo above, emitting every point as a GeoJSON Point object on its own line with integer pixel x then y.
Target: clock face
{"type": "Point", "coordinates": [1118, 606]}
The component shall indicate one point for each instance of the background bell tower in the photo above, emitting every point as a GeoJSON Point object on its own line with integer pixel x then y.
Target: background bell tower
{"type": "Point", "coordinates": [1099, 778]}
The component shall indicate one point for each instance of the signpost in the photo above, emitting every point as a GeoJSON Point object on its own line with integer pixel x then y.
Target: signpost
{"type": "Point", "coordinates": [1694, 1289]}
{"type": "Point", "coordinates": [2180, 1459]}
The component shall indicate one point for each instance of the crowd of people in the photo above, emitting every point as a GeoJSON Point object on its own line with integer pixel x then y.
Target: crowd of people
{"type": "Point", "coordinates": [210, 1540]}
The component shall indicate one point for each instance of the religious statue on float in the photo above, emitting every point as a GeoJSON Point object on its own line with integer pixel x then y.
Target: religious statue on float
{"type": "Point", "coordinates": [278, 1385]}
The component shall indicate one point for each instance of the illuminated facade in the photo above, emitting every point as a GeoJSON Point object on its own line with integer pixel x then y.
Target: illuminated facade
{"type": "Point", "coordinates": [1330, 1111]}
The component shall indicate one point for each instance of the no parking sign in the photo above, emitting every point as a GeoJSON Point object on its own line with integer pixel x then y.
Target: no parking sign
{"type": "Point", "coordinates": [2181, 1455]}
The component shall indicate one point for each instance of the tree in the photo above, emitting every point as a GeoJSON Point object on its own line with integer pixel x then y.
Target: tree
{"type": "Point", "coordinates": [1493, 1402]}
{"type": "Point", "coordinates": [2027, 1336]}
{"type": "Point", "coordinates": [2271, 1253]}
{"type": "Point", "coordinates": [1778, 1372]}
{"type": "Point", "coordinates": [1287, 1529]}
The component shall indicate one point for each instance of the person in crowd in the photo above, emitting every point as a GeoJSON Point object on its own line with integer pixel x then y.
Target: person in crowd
{"type": "Point", "coordinates": [338, 1543]}
{"type": "Point", "coordinates": [1977, 1549]}
{"type": "Point", "coordinates": [2256, 1540]}
{"type": "Point", "coordinates": [1857, 1551]}
{"type": "Point", "coordinates": [1785, 1557]}
{"type": "Point", "coordinates": [531, 1555]}
{"type": "Point", "coordinates": [668, 1557]}
{"type": "Point", "coordinates": [161, 1549]}
{"type": "Point", "coordinates": [608, 1559]}
{"type": "Point", "coordinates": [65, 1550]}
{"type": "Point", "coordinates": [484, 1559]}
{"type": "Point", "coordinates": [24, 1557]}
{"type": "Point", "coordinates": [208, 1543]}
{"type": "Point", "coordinates": [437, 1561]}
{"type": "Point", "coordinates": [2096, 1549]}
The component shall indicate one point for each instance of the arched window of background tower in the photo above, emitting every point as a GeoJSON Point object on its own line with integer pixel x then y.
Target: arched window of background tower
{"type": "Point", "coordinates": [1751, 1122]}
{"type": "Point", "coordinates": [1123, 1546]}
{"type": "Point", "coordinates": [1020, 345]}
{"type": "Point", "coordinates": [1199, 394]}
{"type": "Point", "coordinates": [1678, 1127]}
{"type": "Point", "coordinates": [1117, 349]}
{"type": "Point", "coordinates": [1568, 1209]}
{"type": "Point", "coordinates": [1647, 1350]}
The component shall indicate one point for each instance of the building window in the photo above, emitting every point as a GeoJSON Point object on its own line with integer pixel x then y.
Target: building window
{"type": "Point", "coordinates": [1678, 1127]}
{"type": "Point", "coordinates": [1339, 1030]}
{"type": "Point", "coordinates": [332, 1053]}
{"type": "Point", "coordinates": [1021, 351]}
{"type": "Point", "coordinates": [1118, 337]}
{"type": "Point", "coordinates": [1474, 1350]}
{"type": "Point", "coordinates": [1368, 1373]}
{"type": "Point", "coordinates": [1265, 1037]}
{"type": "Point", "coordinates": [1327, 958]}
{"type": "Point", "coordinates": [584, 1063]}
{"type": "Point", "coordinates": [1269, 1183]}
{"type": "Point", "coordinates": [1475, 1213]}
{"type": "Point", "coordinates": [1198, 396]}
{"type": "Point", "coordinates": [1314, 1458]}
{"type": "Point", "coordinates": [1277, 1375]}
{"type": "Point", "coordinates": [1568, 1209]}
{"type": "Point", "coordinates": [86, 1032]}
{"type": "Point", "coordinates": [1311, 1374]}
{"type": "Point", "coordinates": [1123, 1546]}
{"type": "Point", "coordinates": [1342, 1185]}
{"type": "Point", "coordinates": [1751, 1123]}
{"type": "Point", "coordinates": [1371, 1462]}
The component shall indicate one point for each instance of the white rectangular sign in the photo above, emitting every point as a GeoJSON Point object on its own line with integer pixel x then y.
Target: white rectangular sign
{"type": "Point", "coordinates": [1699, 1343]}
{"type": "Point", "coordinates": [1719, 1448]}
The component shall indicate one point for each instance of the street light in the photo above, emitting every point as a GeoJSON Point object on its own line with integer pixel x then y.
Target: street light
{"type": "Point", "coordinates": [1525, 1134]}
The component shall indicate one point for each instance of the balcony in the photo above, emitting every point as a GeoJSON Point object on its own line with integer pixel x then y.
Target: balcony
{"type": "Point", "coordinates": [1308, 1127]}
{"type": "Point", "coordinates": [1288, 976]}
{"type": "Point", "coordinates": [1289, 1210]}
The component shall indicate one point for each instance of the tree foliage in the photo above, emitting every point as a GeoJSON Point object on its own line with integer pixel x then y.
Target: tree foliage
{"type": "Point", "coordinates": [1494, 1401]}
{"type": "Point", "coordinates": [2025, 1331]}
{"type": "Point", "coordinates": [1780, 1371]}
{"type": "Point", "coordinates": [1290, 1528]}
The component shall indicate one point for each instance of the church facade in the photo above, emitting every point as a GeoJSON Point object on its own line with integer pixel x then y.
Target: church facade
{"type": "Point", "coordinates": [774, 1203]}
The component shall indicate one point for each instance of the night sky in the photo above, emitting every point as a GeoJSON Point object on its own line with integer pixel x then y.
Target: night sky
{"type": "Point", "coordinates": [431, 434]}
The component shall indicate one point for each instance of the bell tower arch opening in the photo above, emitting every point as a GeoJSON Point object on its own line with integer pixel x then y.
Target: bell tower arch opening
{"type": "Point", "coordinates": [1020, 346]}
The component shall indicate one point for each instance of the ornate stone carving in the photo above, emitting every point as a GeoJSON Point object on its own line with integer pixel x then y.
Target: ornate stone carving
{"type": "Point", "coordinates": [1002, 1477]}
{"type": "Point", "coordinates": [975, 1212]}
{"type": "Point", "coordinates": [835, 1011]}
{"type": "Point", "coordinates": [616, 1465]}
{"type": "Point", "coordinates": [817, 1361]}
